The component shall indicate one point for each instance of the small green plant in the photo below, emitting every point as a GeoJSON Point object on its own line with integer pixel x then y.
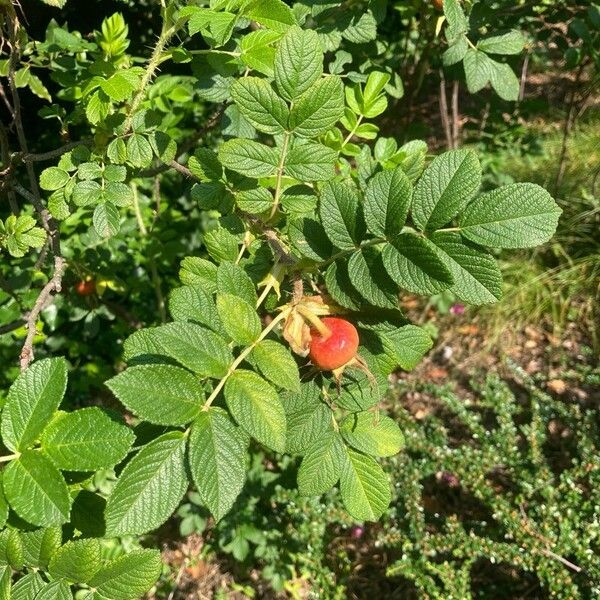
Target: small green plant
{"type": "Point", "coordinates": [521, 492]}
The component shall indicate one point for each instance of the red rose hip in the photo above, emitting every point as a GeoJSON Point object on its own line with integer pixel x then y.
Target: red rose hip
{"type": "Point", "coordinates": [329, 352]}
{"type": "Point", "coordinates": [86, 288]}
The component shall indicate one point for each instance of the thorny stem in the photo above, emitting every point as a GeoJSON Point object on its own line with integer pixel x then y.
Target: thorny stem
{"type": "Point", "coordinates": [155, 60]}
{"type": "Point", "coordinates": [238, 361]}
{"type": "Point", "coordinates": [284, 148]}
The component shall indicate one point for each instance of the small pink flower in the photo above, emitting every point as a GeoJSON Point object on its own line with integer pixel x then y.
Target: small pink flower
{"type": "Point", "coordinates": [457, 309]}
{"type": "Point", "coordinates": [357, 532]}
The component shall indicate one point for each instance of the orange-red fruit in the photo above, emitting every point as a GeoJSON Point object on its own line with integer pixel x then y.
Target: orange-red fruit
{"type": "Point", "coordinates": [335, 350]}
{"type": "Point", "coordinates": [86, 288]}
{"type": "Point", "coordinates": [439, 4]}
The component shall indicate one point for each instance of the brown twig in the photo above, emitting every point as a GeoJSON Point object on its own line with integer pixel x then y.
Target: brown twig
{"type": "Point", "coordinates": [443, 100]}
{"type": "Point", "coordinates": [6, 160]}
{"type": "Point", "coordinates": [523, 80]}
{"type": "Point", "coordinates": [455, 115]}
{"type": "Point", "coordinates": [12, 326]}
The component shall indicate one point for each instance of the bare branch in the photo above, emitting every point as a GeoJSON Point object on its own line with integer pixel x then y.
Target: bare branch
{"type": "Point", "coordinates": [56, 153]}
{"type": "Point", "coordinates": [12, 326]}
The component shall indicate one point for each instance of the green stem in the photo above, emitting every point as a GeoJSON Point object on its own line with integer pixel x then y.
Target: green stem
{"type": "Point", "coordinates": [334, 257]}
{"type": "Point", "coordinates": [238, 361]}
{"type": "Point", "coordinates": [354, 130]}
{"type": "Point", "coordinates": [284, 148]}
{"type": "Point", "coordinates": [155, 59]}
{"type": "Point", "coordinates": [9, 457]}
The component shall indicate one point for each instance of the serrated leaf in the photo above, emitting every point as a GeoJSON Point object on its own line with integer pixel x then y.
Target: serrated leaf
{"type": "Point", "coordinates": [369, 277]}
{"type": "Point", "coordinates": [248, 157]}
{"type": "Point", "coordinates": [518, 215]}
{"type": "Point", "coordinates": [298, 62]}
{"type": "Point", "coordinates": [85, 440]}
{"type": "Point", "coordinates": [321, 466]}
{"type": "Point", "coordinates": [199, 271]}
{"type": "Point", "coordinates": [192, 346]}
{"type": "Point", "coordinates": [456, 52]}
{"type": "Point", "coordinates": [504, 81]}
{"type": "Point", "coordinates": [118, 87]}
{"type": "Point", "coordinates": [410, 344]}
{"type": "Point", "coordinates": [254, 201]}
{"type": "Point", "coordinates": [5, 582]}
{"type": "Point", "coordinates": [87, 192]}
{"type": "Point", "coordinates": [36, 490]}
{"type": "Point", "coordinates": [339, 286]}
{"type": "Point", "coordinates": [11, 549]}
{"type": "Point", "coordinates": [239, 319]}
{"type": "Point", "coordinates": [387, 200]}
{"type": "Point", "coordinates": [277, 364]}
{"type": "Point", "coordinates": [311, 162]}
{"type": "Point", "coordinates": [341, 215]}
{"type": "Point", "coordinates": [139, 151]}
{"type": "Point", "coordinates": [149, 488]}
{"type": "Point", "coordinates": [507, 43]}
{"type": "Point", "coordinates": [308, 418]}
{"type": "Point", "coordinates": [205, 165]}
{"type": "Point", "coordinates": [364, 487]}
{"type": "Point", "coordinates": [192, 303]}
{"type": "Point", "coordinates": [232, 279]}
{"type": "Point", "coordinates": [412, 262]}
{"type": "Point", "coordinates": [3, 507]}
{"type": "Point", "coordinates": [445, 188]}
{"type": "Point", "coordinates": [477, 67]}
{"type": "Point", "coordinates": [53, 178]}
{"type": "Point", "coordinates": [39, 545]}
{"type": "Point", "coordinates": [372, 434]}
{"type": "Point", "coordinates": [309, 239]}
{"type": "Point", "coordinates": [257, 408]}
{"type": "Point", "coordinates": [130, 576]}
{"type": "Point", "coordinates": [217, 458]}
{"type": "Point", "coordinates": [55, 590]}
{"type": "Point", "coordinates": [77, 561]}
{"type": "Point", "coordinates": [273, 14]}
{"type": "Point", "coordinates": [31, 402]}
{"type": "Point", "coordinates": [27, 587]}
{"type": "Point", "coordinates": [260, 104]}
{"type": "Point", "coordinates": [319, 108]}
{"type": "Point", "coordinates": [477, 277]}
{"type": "Point", "coordinates": [359, 392]}
{"type": "Point", "coordinates": [159, 394]}
{"type": "Point", "coordinates": [106, 219]}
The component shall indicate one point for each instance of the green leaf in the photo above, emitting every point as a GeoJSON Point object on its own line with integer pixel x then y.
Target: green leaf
{"type": "Point", "coordinates": [86, 440]}
{"type": "Point", "coordinates": [192, 346]}
{"type": "Point", "coordinates": [369, 277]}
{"type": "Point", "coordinates": [212, 196]}
{"type": "Point", "coordinates": [308, 418]}
{"type": "Point", "coordinates": [239, 319]}
{"type": "Point", "coordinates": [118, 87]}
{"type": "Point", "coordinates": [163, 146]}
{"type": "Point", "coordinates": [321, 466]}
{"type": "Point", "coordinates": [504, 81]}
{"type": "Point", "coordinates": [362, 28]}
{"type": "Point", "coordinates": [139, 151]}
{"type": "Point", "coordinates": [130, 576]}
{"type": "Point", "coordinates": [339, 286]}
{"type": "Point", "coordinates": [232, 279]}
{"type": "Point", "coordinates": [3, 507]}
{"type": "Point", "coordinates": [457, 21]}
{"type": "Point", "coordinates": [359, 392]}
{"type": "Point", "coordinates": [98, 107]}
{"type": "Point", "coordinates": [298, 62]}
{"type": "Point", "coordinates": [309, 239]}
{"type": "Point", "coordinates": [87, 192]}
{"type": "Point", "coordinates": [221, 244]}
{"type": "Point", "coordinates": [478, 67]}
{"type": "Point", "coordinates": [249, 158]}
{"type": "Point", "coordinates": [319, 108]}
{"type": "Point", "coordinates": [257, 408]}
{"type": "Point", "coordinates": [387, 200]}
{"type": "Point", "coordinates": [27, 587]}
{"type": "Point", "coordinates": [159, 394]}
{"type": "Point", "coordinates": [456, 52]}
{"type": "Point", "coordinates": [77, 561]}
{"type": "Point", "coordinates": [277, 364]}
{"type": "Point", "coordinates": [445, 188]}
{"type": "Point", "coordinates": [11, 549]}
{"type": "Point", "coordinates": [192, 303]}
{"type": "Point", "coordinates": [518, 215]}
{"type": "Point", "coordinates": [217, 457]}
{"type": "Point", "coordinates": [53, 178]}
{"type": "Point", "coordinates": [117, 193]}
{"type": "Point", "coordinates": [32, 400]}
{"type": "Point", "coordinates": [273, 14]}
{"type": "Point", "coordinates": [372, 433]}
{"type": "Point", "coordinates": [254, 201]}
{"type": "Point", "coordinates": [55, 590]}
{"type": "Point", "coordinates": [311, 162]}
{"type": "Point", "coordinates": [216, 27]}
{"type": "Point", "coordinates": [260, 104]}
{"type": "Point", "coordinates": [106, 219]}
{"type": "Point", "coordinates": [299, 200]}
{"type": "Point", "coordinates": [36, 490]}
{"type": "Point", "coordinates": [477, 277]}
{"type": "Point", "coordinates": [199, 272]}
{"type": "Point", "coordinates": [5, 582]}
{"type": "Point", "coordinates": [205, 165]}
{"type": "Point", "coordinates": [257, 52]}
{"type": "Point", "coordinates": [39, 545]}
{"type": "Point", "coordinates": [364, 487]}
{"type": "Point", "coordinates": [410, 344]}
{"type": "Point", "coordinates": [412, 262]}
{"type": "Point", "coordinates": [512, 42]}
{"type": "Point", "coordinates": [341, 215]}
{"type": "Point", "coordinates": [149, 488]}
